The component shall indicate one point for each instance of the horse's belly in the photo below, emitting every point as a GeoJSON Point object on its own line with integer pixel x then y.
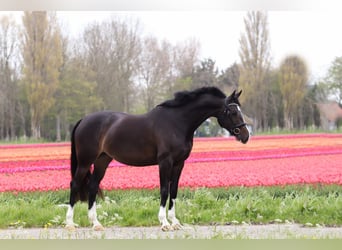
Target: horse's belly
{"type": "Point", "coordinates": [134, 156]}
{"type": "Point", "coordinates": [135, 161]}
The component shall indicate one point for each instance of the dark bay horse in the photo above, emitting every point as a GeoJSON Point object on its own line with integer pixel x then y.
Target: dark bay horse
{"type": "Point", "coordinates": [163, 136]}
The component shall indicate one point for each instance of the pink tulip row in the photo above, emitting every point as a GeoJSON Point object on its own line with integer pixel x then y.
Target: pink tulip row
{"type": "Point", "coordinates": [214, 162]}
{"type": "Point", "coordinates": [196, 157]}
{"type": "Point", "coordinates": [324, 169]}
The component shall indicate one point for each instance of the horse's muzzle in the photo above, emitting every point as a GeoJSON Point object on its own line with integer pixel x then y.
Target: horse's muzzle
{"type": "Point", "coordinates": [241, 134]}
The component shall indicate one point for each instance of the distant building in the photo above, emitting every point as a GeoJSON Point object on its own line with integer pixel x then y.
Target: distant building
{"type": "Point", "coordinates": [330, 112]}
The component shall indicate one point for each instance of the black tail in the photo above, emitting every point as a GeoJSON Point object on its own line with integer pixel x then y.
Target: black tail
{"type": "Point", "coordinates": [83, 189]}
{"type": "Point", "coordinates": [73, 151]}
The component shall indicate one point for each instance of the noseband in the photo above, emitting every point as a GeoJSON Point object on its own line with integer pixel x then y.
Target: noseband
{"type": "Point", "coordinates": [235, 130]}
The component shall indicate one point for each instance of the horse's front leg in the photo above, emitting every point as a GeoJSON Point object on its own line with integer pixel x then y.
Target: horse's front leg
{"type": "Point", "coordinates": [164, 176]}
{"type": "Point", "coordinates": [92, 215]}
{"type": "Point", "coordinates": [176, 172]}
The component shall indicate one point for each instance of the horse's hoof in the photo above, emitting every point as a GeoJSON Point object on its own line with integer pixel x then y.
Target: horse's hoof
{"type": "Point", "coordinates": [166, 228]}
{"type": "Point", "coordinates": [70, 228]}
{"type": "Point", "coordinates": [177, 226]}
{"type": "Point", "coordinates": [98, 228]}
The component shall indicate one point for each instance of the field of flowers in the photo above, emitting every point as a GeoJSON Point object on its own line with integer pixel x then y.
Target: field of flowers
{"type": "Point", "coordinates": [214, 162]}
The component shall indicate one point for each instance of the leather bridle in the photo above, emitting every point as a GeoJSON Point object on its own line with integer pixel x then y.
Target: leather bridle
{"type": "Point", "coordinates": [235, 130]}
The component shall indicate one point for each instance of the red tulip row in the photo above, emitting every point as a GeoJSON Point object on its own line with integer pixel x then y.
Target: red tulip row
{"type": "Point", "coordinates": [214, 162]}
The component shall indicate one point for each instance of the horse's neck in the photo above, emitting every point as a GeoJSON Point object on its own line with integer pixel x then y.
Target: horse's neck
{"type": "Point", "coordinates": [193, 116]}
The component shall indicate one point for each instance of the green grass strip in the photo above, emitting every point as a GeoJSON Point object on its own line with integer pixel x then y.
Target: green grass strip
{"type": "Point", "coordinates": [310, 205]}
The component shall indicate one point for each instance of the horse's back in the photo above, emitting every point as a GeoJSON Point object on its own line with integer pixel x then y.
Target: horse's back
{"type": "Point", "coordinates": [95, 123]}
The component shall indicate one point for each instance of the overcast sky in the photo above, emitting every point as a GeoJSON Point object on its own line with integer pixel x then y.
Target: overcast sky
{"type": "Point", "coordinates": [314, 35]}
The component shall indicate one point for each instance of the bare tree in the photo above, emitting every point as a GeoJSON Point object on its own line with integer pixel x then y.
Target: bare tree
{"type": "Point", "coordinates": [229, 78]}
{"type": "Point", "coordinates": [166, 68]}
{"type": "Point", "coordinates": [112, 50]}
{"type": "Point", "coordinates": [9, 103]}
{"type": "Point", "coordinates": [155, 63]}
{"type": "Point", "coordinates": [206, 74]}
{"type": "Point", "coordinates": [185, 57]}
{"type": "Point", "coordinates": [255, 64]}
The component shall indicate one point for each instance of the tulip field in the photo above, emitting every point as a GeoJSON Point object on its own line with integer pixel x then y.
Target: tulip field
{"type": "Point", "coordinates": [214, 162]}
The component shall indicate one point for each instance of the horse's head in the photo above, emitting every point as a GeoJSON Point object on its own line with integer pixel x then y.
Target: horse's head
{"type": "Point", "coordinates": [231, 118]}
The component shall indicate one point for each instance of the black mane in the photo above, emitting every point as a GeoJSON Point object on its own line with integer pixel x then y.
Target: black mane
{"type": "Point", "coordinates": [184, 97]}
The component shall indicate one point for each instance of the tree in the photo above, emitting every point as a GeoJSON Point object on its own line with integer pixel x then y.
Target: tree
{"type": "Point", "coordinates": [293, 81]}
{"type": "Point", "coordinates": [255, 64]}
{"type": "Point", "coordinates": [155, 63]}
{"type": "Point", "coordinates": [184, 58]}
{"type": "Point", "coordinates": [42, 54]}
{"type": "Point", "coordinates": [76, 94]}
{"type": "Point", "coordinates": [9, 102]}
{"type": "Point", "coordinates": [112, 50]}
{"type": "Point", "coordinates": [229, 78]}
{"type": "Point", "coordinates": [206, 74]}
{"type": "Point", "coordinates": [334, 80]}
{"type": "Point", "coordinates": [275, 107]}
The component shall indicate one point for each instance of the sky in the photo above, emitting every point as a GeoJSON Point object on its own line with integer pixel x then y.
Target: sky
{"type": "Point", "coordinates": [314, 35]}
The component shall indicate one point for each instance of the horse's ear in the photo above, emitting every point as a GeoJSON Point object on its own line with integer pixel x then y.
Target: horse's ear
{"type": "Point", "coordinates": [232, 95]}
{"type": "Point", "coordinates": [229, 98]}
{"type": "Point", "coordinates": [238, 94]}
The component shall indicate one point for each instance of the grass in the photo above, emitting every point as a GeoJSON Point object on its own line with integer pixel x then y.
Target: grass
{"type": "Point", "coordinates": [22, 140]}
{"type": "Point", "coordinates": [309, 205]}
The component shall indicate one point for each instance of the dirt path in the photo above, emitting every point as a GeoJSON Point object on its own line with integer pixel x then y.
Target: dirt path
{"type": "Point", "coordinates": [274, 231]}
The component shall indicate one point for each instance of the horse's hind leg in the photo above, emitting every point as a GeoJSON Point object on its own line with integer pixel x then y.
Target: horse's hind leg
{"type": "Point", "coordinates": [100, 167]}
{"type": "Point", "coordinates": [176, 172]}
{"type": "Point", "coordinates": [75, 186]}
